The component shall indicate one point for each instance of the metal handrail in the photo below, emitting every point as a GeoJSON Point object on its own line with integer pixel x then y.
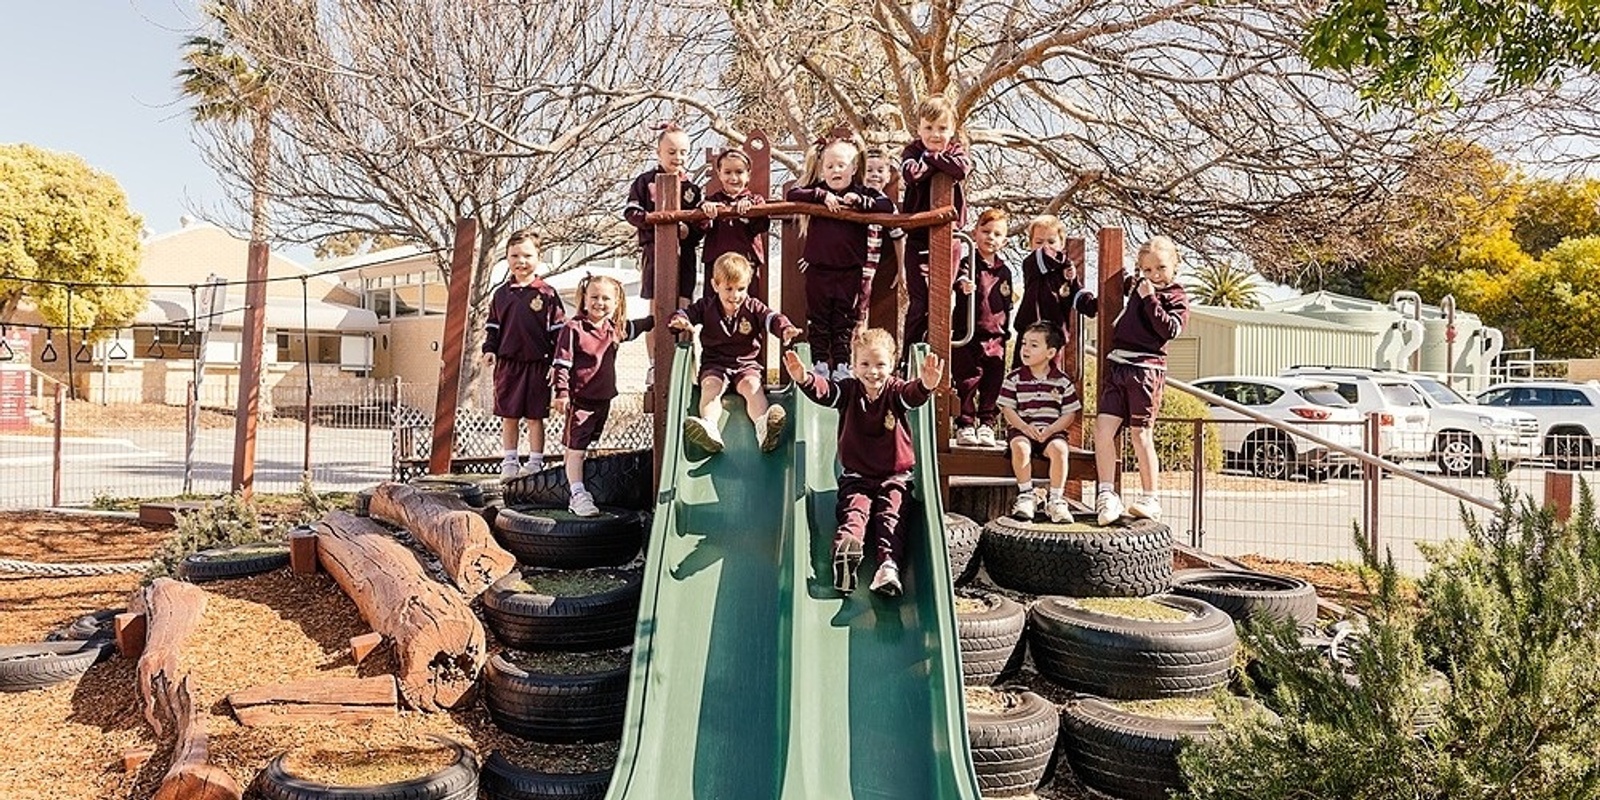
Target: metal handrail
{"type": "Point", "coordinates": [972, 305]}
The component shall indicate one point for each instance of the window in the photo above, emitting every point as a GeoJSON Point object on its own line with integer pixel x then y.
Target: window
{"type": "Point", "coordinates": [1400, 394]}
{"type": "Point", "coordinates": [1348, 391]}
{"type": "Point", "coordinates": [1323, 396]}
{"type": "Point", "coordinates": [1496, 397]}
{"type": "Point", "coordinates": [1267, 395]}
{"type": "Point", "coordinates": [1569, 397]}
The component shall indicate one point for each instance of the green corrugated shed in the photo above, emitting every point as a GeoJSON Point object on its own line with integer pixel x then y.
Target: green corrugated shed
{"type": "Point", "coordinates": [1236, 341]}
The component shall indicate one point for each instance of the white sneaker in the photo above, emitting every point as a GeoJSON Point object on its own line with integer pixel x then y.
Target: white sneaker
{"type": "Point", "coordinates": [703, 434]}
{"type": "Point", "coordinates": [1108, 508]}
{"type": "Point", "coordinates": [1146, 507]}
{"type": "Point", "coordinates": [821, 368]}
{"type": "Point", "coordinates": [985, 435]}
{"type": "Point", "coordinates": [510, 468]}
{"type": "Point", "coordinates": [1058, 509]}
{"type": "Point", "coordinates": [841, 372]}
{"type": "Point", "coordinates": [530, 469]}
{"type": "Point", "coordinates": [582, 504]}
{"type": "Point", "coordinates": [886, 581]}
{"type": "Point", "coordinates": [967, 437]}
{"type": "Point", "coordinates": [1024, 507]}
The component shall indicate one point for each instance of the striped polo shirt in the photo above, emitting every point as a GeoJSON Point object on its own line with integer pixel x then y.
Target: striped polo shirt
{"type": "Point", "coordinates": [1038, 401]}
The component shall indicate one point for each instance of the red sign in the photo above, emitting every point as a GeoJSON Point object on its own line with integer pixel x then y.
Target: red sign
{"type": "Point", "coordinates": [14, 379]}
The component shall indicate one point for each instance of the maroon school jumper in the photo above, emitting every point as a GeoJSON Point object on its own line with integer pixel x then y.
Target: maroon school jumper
{"type": "Point", "coordinates": [521, 332]}
{"type": "Point", "coordinates": [875, 451]}
{"type": "Point", "coordinates": [729, 233]}
{"type": "Point", "coordinates": [730, 346]}
{"type": "Point", "coordinates": [1047, 296]}
{"type": "Point", "coordinates": [978, 367]}
{"type": "Point", "coordinates": [586, 369]}
{"type": "Point", "coordinates": [835, 251]}
{"type": "Point", "coordinates": [641, 201]}
{"type": "Point", "coordinates": [1136, 366]}
{"type": "Point", "coordinates": [917, 166]}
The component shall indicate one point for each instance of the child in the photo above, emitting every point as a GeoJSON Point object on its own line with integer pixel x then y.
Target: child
{"type": "Point", "coordinates": [524, 315]}
{"type": "Point", "coordinates": [732, 323]}
{"type": "Point", "coordinates": [978, 367]}
{"type": "Point", "coordinates": [878, 174]}
{"type": "Point", "coordinates": [672, 151]}
{"type": "Point", "coordinates": [1039, 402]}
{"type": "Point", "coordinates": [1136, 371]}
{"type": "Point", "coordinates": [835, 249]}
{"type": "Point", "coordinates": [727, 230]}
{"type": "Point", "coordinates": [935, 149]}
{"type": "Point", "coordinates": [875, 451]}
{"type": "Point", "coordinates": [1051, 287]}
{"type": "Point", "coordinates": [585, 377]}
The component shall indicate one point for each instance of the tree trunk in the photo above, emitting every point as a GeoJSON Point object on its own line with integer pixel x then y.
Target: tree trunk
{"type": "Point", "coordinates": [450, 528]}
{"type": "Point", "coordinates": [439, 640]}
{"type": "Point", "coordinates": [172, 611]}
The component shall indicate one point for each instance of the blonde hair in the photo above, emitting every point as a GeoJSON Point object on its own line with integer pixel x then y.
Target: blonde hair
{"type": "Point", "coordinates": [619, 315]}
{"type": "Point", "coordinates": [732, 269]}
{"type": "Point", "coordinates": [876, 338]}
{"type": "Point", "coordinates": [1163, 248]}
{"type": "Point", "coordinates": [936, 108]}
{"type": "Point", "coordinates": [1048, 222]}
{"type": "Point", "coordinates": [813, 173]}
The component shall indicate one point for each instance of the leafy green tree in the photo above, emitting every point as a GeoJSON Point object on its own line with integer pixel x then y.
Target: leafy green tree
{"type": "Point", "coordinates": [1225, 284]}
{"type": "Point", "coordinates": [1556, 210]}
{"type": "Point", "coordinates": [60, 220]}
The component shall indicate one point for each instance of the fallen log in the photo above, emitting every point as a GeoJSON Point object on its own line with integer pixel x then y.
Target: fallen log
{"type": "Point", "coordinates": [172, 610]}
{"type": "Point", "coordinates": [317, 700]}
{"type": "Point", "coordinates": [439, 641]}
{"type": "Point", "coordinates": [453, 530]}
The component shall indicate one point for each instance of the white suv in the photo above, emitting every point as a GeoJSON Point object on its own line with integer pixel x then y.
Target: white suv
{"type": "Point", "coordinates": [1568, 414]}
{"type": "Point", "coordinates": [1402, 413]}
{"type": "Point", "coordinates": [1269, 452]}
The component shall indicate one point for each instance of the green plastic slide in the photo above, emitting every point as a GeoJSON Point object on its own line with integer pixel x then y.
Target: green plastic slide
{"type": "Point", "coordinates": [752, 678]}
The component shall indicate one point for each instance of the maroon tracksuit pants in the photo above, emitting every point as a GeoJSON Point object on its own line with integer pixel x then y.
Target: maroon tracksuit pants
{"type": "Point", "coordinates": [871, 506]}
{"type": "Point", "coordinates": [833, 309]}
{"type": "Point", "coordinates": [977, 369]}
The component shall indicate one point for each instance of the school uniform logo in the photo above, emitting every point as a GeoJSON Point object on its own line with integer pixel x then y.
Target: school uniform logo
{"type": "Point", "coordinates": [690, 196]}
{"type": "Point", "coordinates": [888, 422]}
{"type": "Point", "coordinates": [537, 304]}
{"type": "Point", "coordinates": [1005, 288]}
{"type": "Point", "coordinates": [743, 327]}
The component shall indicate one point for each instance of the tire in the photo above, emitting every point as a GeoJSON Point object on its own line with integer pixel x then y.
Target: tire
{"type": "Point", "coordinates": [1011, 750]}
{"type": "Point", "coordinates": [1242, 594]}
{"type": "Point", "coordinates": [622, 479]}
{"type": "Point", "coordinates": [468, 491]}
{"type": "Point", "coordinates": [503, 780]}
{"type": "Point", "coordinates": [98, 625]}
{"type": "Point", "coordinates": [233, 562]}
{"type": "Point", "coordinates": [1124, 753]}
{"type": "Point", "coordinates": [989, 638]}
{"type": "Point", "coordinates": [1458, 454]}
{"type": "Point", "coordinates": [37, 666]}
{"type": "Point", "coordinates": [1270, 456]}
{"type": "Point", "coordinates": [457, 781]}
{"type": "Point", "coordinates": [961, 537]}
{"type": "Point", "coordinates": [531, 621]}
{"type": "Point", "coordinates": [1569, 448]}
{"type": "Point", "coordinates": [554, 537]}
{"type": "Point", "coordinates": [1132, 659]}
{"type": "Point", "coordinates": [557, 709]}
{"type": "Point", "coordinates": [1078, 559]}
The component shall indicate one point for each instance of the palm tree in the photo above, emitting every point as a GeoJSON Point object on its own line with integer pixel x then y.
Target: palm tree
{"type": "Point", "coordinates": [1225, 284]}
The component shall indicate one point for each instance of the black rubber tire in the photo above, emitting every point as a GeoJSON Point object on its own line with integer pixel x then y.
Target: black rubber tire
{"type": "Point", "coordinates": [531, 621]}
{"type": "Point", "coordinates": [37, 666]}
{"type": "Point", "coordinates": [622, 479]}
{"type": "Point", "coordinates": [503, 780]}
{"type": "Point", "coordinates": [457, 781]}
{"type": "Point", "coordinates": [961, 536]}
{"type": "Point", "coordinates": [1270, 455]}
{"type": "Point", "coordinates": [234, 562]}
{"type": "Point", "coordinates": [990, 638]}
{"type": "Point", "coordinates": [1126, 754]}
{"type": "Point", "coordinates": [1078, 559]}
{"type": "Point", "coordinates": [96, 625]}
{"type": "Point", "coordinates": [553, 537]}
{"type": "Point", "coordinates": [1459, 454]}
{"type": "Point", "coordinates": [1011, 750]}
{"type": "Point", "coordinates": [468, 491]}
{"type": "Point", "coordinates": [1242, 594]}
{"type": "Point", "coordinates": [1132, 659]}
{"type": "Point", "coordinates": [556, 709]}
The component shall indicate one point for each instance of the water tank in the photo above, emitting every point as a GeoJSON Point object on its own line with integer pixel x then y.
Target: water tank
{"type": "Point", "coordinates": [1357, 313]}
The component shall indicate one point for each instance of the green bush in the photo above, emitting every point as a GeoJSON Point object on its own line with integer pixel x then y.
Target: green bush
{"type": "Point", "coordinates": [232, 520]}
{"type": "Point", "coordinates": [1174, 441]}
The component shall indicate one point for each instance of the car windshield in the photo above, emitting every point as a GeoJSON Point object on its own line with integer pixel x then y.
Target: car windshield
{"type": "Point", "coordinates": [1441, 394]}
{"type": "Point", "coordinates": [1323, 396]}
{"type": "Point", "coordinates": [1401, 394]}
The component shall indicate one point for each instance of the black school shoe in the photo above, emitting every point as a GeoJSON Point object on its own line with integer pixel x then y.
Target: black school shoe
{"type": "Point", "coordinates": [846, 559]}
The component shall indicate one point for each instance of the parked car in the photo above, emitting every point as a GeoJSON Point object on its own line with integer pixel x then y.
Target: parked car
{"type": "Point", "coordinates": [1270, 452]}
{"type": "Point", "coordinates": [1568, 414]}
{"type": "Point", "coordinates": [1402, 413]}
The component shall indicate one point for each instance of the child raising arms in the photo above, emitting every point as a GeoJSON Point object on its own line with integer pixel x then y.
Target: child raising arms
{"type": "Point", "coordinates": [935, 149]}
{"type": "Point", "coordinates": [727, 229]}
{"type": "Point", "coordinates": [1039, 402]}
{"type": "Point", "coordinates": [983, 284]}
{"type": "Point", "coordinates": [875, 451]}
{"type": "Point", "coordinates": [1136, 372]}
{"type": "Point", "coordinates": [524, 315]}
{"type": "Point", "coordinates": [585, 377]}
{"type": "Point", "coordinates": [732, 324]}
{"type": "Point", "coordinates": [1051, 286]}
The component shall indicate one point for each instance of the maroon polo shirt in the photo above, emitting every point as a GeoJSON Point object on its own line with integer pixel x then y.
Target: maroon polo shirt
{"type": "Point", "coordinates": [523, 321]}
{"type": "Point", "coordinates": [992, 293]}
{"type": "Point", "coordinates": [586, 357]}
{"type": "Point", "coordinates": [916, 161]}
{"type": "Point", "coordinates": [836, 243]}
{"type": "Point", "coordinates": [874, 440]}
{"type": "Point", "coordinates": [733, 234]}
{"type": "Point", "coordinates": [731, 342]}
{"type": "Point", "coordinates": [642, 200]}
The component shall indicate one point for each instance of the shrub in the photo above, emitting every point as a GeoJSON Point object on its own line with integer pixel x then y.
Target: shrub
{"type": "Point", "coordinates": [229, 520]}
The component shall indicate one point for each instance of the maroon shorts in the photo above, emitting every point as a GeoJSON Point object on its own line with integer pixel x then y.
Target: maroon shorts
{"type": "Point", "coordinates": [1132, 393]}
{"type": "Point", "coordinates": [730, 375]}
{"type": "Point", "coordinates": [647, 274]}
{"type": "Point", "coordinates": [1038, 447]}
{"type": "Point", "coordinates": [585, 421]}
{"type": "Point", "coordinates": [521, 389]}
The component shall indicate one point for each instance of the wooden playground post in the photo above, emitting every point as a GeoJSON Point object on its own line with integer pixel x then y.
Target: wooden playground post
{"type": "Point", "coordinates": [940, 274]}
{"type": "Point", "coordinates": [1111, 304]}
{"type": "Point", "coordinates": [665, 301]}
{"type": "Point", "coordinates": [453, 346]}
{"type": "Point", "coordinates": [1076, 255]}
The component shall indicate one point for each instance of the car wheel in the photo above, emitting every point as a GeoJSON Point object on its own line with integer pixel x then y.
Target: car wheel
{"type": "Point", "coordinates": [1271, 457]}
{"type": "Point", "coordinates": [1458, 454]}
{"type": "Point", "coordinates": [1570, 448]}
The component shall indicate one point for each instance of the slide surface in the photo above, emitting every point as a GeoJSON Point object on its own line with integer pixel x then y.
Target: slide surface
{"type": "Point", "coordinates": [752, 678]}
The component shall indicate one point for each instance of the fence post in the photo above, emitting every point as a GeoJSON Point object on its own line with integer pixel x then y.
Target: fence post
{"type": "Point", "coordinates": [55, 461]}
{"type": "Point", "coordinates": [1197, 487]}
{"type": "Point", "coordinates": [1558, 493]}
{"type": "Point", "coordinates": [1371, 477]}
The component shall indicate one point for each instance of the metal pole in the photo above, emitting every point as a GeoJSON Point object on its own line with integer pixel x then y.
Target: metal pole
{"type": "Point", "coordinates": [55, 461]}
{"type": "Point", "coordinates": [191, 433]}
{"type": "Point", "coordinates": [305, 363]}
{"type": "Point", "coordinates": [1197, 487]}
{"type": "Point", "coordinates": [1371, 476]}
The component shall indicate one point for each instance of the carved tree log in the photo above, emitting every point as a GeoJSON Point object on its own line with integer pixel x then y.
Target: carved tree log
{"type": "Point", "coordinates": [450, 528]}
{"type": "Point", "coordinates": [439, 640]}
{"type": "Point", "coordinates": [172, 610]}
{"type": "Point", "coordinates": [317, 700]}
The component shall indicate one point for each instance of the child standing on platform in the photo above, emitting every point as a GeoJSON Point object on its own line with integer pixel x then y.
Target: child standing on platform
{"type": "Point", "coordinates": [672, 153]}
{"type": "Point", "coordinates": [524, 315]}
{"type": "Point", "coordinates": [732, 326]}
{"type": "Point", "coordinates": [835, 250]}
{"type": "Point", "coordinates": [585, 378]}
{"type": "Point", "coordinates": [1039, 402]}
{"type": "Point", "coordinates": [875, 451]}
{"type": "Point", "coordinates": [936, 149]}
{"type": "Point", "coordinates": [983, 292]}
{"type": "Point", "coordinates": [878, 174]}
{"type": "Point", "coordinates": [1135, 373]}
{"type": "Point", "coordinates": [727, 230]}
{"type": "Point", "coordinates": [1051, 286]}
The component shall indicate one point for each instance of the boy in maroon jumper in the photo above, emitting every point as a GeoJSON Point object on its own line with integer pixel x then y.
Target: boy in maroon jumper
{"type": "Point", "coordinates": [1039, 403]}
{"type": "Point", "coordinates": [1136, 372]}
{"type": "Point", "coordinates": [875, 451]}
{"type": "Point", "coordinates": [835, 249]}
{"type": "Point", "coordinates": [983, 282]}
{"type": "Point", "coordinates": [1051, 286]}
{"type": "Point", "coordinates": [732, 324]}
{"type": "Point", "coordinates": [726, 228]}
{"type": "Point", "coordinates": [936, 149]}
{"type": "Point", "coordinates": [672, 152]}
{"type": "Point", "coordinates": [524, 315]}
{"type": "Point", "coordinates": [585, 376]}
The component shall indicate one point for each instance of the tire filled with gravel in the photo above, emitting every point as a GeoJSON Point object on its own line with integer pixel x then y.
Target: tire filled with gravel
{"type": "Point", "coordinates": [541, 609]}
{"type": "Point", "coordinates": [989, 628]}
{"type": "Point", "coordinates": [1132, 648]}
{"type": "Point", "coordinates": [1078, 559]}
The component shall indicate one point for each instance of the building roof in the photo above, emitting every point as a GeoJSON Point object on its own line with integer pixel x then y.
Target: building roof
{"type": "Point", "coordinates": [197, 250]}
{"type": "Point", "coordinates": [1277, 319]}
{"type": "Point", "coordinates": [283, 313]}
